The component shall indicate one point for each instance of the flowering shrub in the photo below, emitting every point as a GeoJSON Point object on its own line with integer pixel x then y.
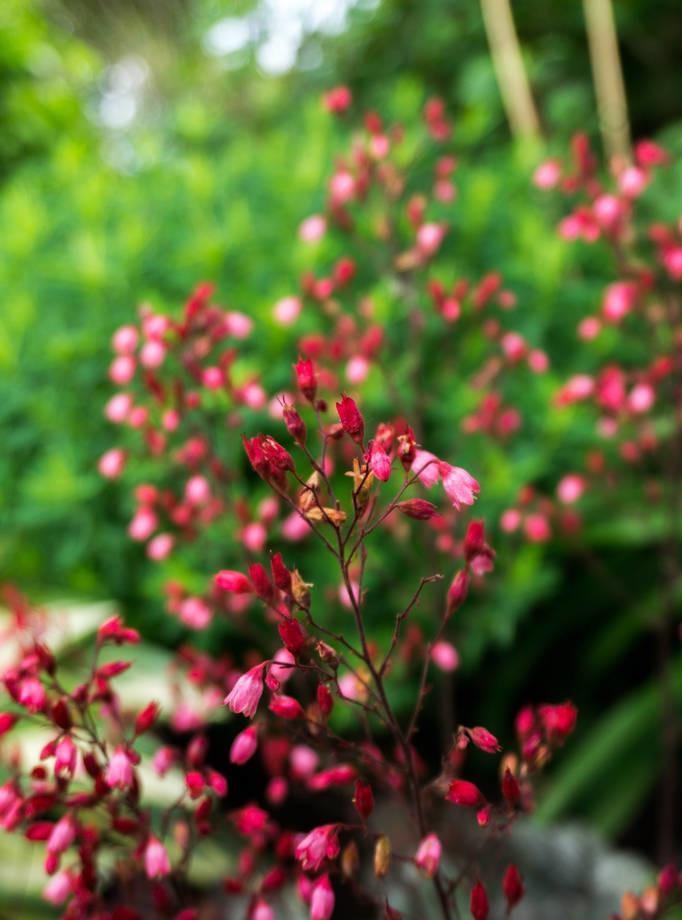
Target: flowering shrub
{"type": "Point", "coordinates": [334, 708]}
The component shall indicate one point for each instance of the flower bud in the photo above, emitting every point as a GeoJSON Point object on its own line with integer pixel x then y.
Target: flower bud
{"type": "Point", "coordinates": [478, 902]}
{"type": "Point", "coordinates": [382, 856]}
{"type": "Point", "coordinates": [457, 591]}
{"type": "Point", "coordinates": [363, 799]}
{"type": "Point", "coordinates": [325, 700]}
{"type": "Point", "coordinates": [306, 379]}
{"type": "Point", "coordinates": [417, 508]}
{"type": "Point", "coordinates": [512, 886]}
{"type": "Point", "coordinates": [351, 419]}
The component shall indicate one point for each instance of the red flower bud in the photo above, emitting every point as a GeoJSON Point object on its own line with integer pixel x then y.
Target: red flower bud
{"type": "Point", "coordinates": [484, 740]}
{"type": "Point", "coordinates": [478, 903]}
{"type": "Point", "coordinates": [60, 714]}
{"type": "Point", "coordinates": [363, 799]}
{"type": "Point", "coordinates": [146, 718]}
{"type": "Point", "coordinates": [292, 635]}
{"type": "Point", "coordinates": [261, 582]}
{"type": "Point", "coordinates": [417, 508]}
{"type": "Point", "coordinates": [512, 886]}
{"type": "Point", "coordinates": [462, 792]}
{"type": "Point", "coordinates": [280, 574]}
{"type": "Point", "coordinates": [325, 700]}
{"type": "Point", "coordinates": [510, 787]}
{"type": "Point", "coordinates": [305, 378]}
{"type": "Point", "coordinates": [295, 424]}
{"type": "Point", "coordinates": [457, 591]}
{"type": "Point", "coordinates": [351, 419]}
{"type": "Point", "coordinates": [234, 582]}
{"type": "Point", "coordinates": [286, 707]}
{"type": "Point", "coordinates": [7, 721]}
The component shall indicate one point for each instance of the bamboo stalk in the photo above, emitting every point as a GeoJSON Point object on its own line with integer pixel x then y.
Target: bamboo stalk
{"type": "Point", "coordinates": [608, 77]}
{"type": "Point", "coordinates": [510, 72]}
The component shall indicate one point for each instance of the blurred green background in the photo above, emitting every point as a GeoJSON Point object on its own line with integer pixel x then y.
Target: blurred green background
{"type": "Point", "coordinates": [147, 145]}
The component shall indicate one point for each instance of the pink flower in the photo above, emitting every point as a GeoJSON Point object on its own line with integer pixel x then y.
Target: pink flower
{"type": "Point", "coordinates": [570, 488]}
{"type": "Point", "coordinates": [143, 524]}
{"type": "Point", "coordinates": [156, 862]}
{"type": "Point", "coordinates": [426, 466]}
{"type": "Point", "coordinates": [320, 844]}
{"type": "Point", "coordinates": [313, 228]}
{"type": "Point", "coordinates": [58, 888]}
{"type": "Point", "coordinates": [619, 300]}
{"type": "Point", "coordinates": [337, 100]}
{"type": "Point", "coordinates": [357, 369]}
{"type": "Point", "coordinates": [160, 547]}
{"type": "Point", "coordinates": [303, 760]}
{"type": "Point", "coordinates": [429, 239]}
{"type": "Point", "coordinates": [195, 613]}
{"type": "Point", "coordinates": [122, 370]}
{"type": "Point", "coordinates": [537, 528]}
{"type": "Point", "coordinates": [247, 691]}
{"type": "Point", "coordinates": [119, 771]}
{"type": "Point", "coordinates": [547, 174]}
{"type": "Point", "coordinates": [351, 418]}
{"type": "Point", "coordinates": [244, 745]}
{"type": "Point", "coordinates": [287, 310]}
{"type": "Point", "coordinates": [589, 328]}
{"type": "Point", "coordinates": [62, 836]}
{"type": "Point", "coordinates": [32, 694]}
{"type": "Point", "coordinates": [322, 899]}
{"type": "Point", "coordinates": [379, 462]}
{"type": "Point", "coordinates": [460, 486]}
{"type": "Point", "coordinates": [286, 707]}
{"type": "Point", "coordinates": [197, 490]}
{"type": "Point", "coordinates": [282, 665]}
{"type": "Point", "coordinates": [445, 656]}
{"type": "Point", "coordinates": [112, 463]}
{"type": "Point", "coordinates": [642, 397]}
{"type": "Point", "coordinates": [462, 792]}
{"type": "Point", "coordinates": [238, 325]}
{"type": "Point", "coordinates": [427, 858]}
{"type": "Point", "coordinates": [510, 520]}
{"type": "Point", "coordinates": [124, 340]}
{"type": "Point", "coordinates": [118, 408]}
{"type": "Point", "coordinates": [484, 740]}
{"type": "Point", "coordinates": [234, 582]}
{"type": "Point", "coordinates": [152, 354]}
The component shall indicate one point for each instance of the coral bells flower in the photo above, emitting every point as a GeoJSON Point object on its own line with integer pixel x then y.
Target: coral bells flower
{"type": "Point", "coordinates": [482, 738]}
{"type": "Point", "coordinates": [320, 844]}
{"type": "Point", "coordinates": [119, 772]}
{"type": "Point", "coordinates": [352, 421]}
{"type": "Point", "coordinates": [246, 693]}
{"type": "Point", "coordinates": [462, 792]}
{"type": "Point", "coordinates": [233, 582]}
{"type": "Point", "coordinates": [478, 902]}
{"type": "Point", "coordinates": [156, 862]}
{"type": "Point", "coordinates": [286, 707]}
{"type": "Point", "coordinates": [558, 721]}
{"type": "Point", "coordinates": [460, 487]}
{"type": "Point", "coordinates": [379, 462]}
{"type": "Point", "coordinates": [305, 378]}
{"type": "Point", "coordinates": [427, 858]}
{"type": "Point", "coordinates": [62, 836]}
{"type": "Point", "coordinates": [322, 900]}
{"type": "Point", "coordinates": [512, 886]}
{"type": "Point", "coordinates": [425, 466]}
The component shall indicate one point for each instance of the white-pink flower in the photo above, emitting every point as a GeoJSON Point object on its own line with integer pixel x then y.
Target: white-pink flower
{"type": "Point", "coordinates": [425, 466]}
{"type": "Point", "coordinates": [156, 862]}
{"type": "Point", "coordinates": [460, 487]}
{"type": "Point", "coordinates": [246, 693]}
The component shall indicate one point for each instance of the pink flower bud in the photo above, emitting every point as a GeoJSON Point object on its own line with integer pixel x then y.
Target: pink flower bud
{"type": "Point", "coordinates": [547, 174]}
{"type": "Point", "coordinates": [233, 582]}
{"type": "Point", "coordinates": [118, 408]}
{"type": "Point", "coordinates": [462, 792]}
{"type": "Point", "coordinates": [286, 311]}
{"type": "Point", "coordinates": [122, 370]}
{"type": "Point", "coordinates": [484, 740]}
{"type": "Point", "coordinates": [379, 462]}
{"type": "Point", "coordinates": [427, 858]}
{"type": "Point", "coordinates": [153, 354]}
{"type": "Point", "coordinates": [286, 707]}
{"type": "Point", "coordinates": [58, 888]}
{"type": "Point", "coordinates": [322, 899]}
{"type": "Point", "coordinates": [445, 656]}
{"type": "Point", "coordinates": [112, 463]}
{"type": "Point", "coordinates": [160, 547]}
{"type": "Point", "coordinates": [62, 836]}
{"type": "Point", "coordinates": [156, 862]}
{"type": "Point", "coordinates": [313, 228]}
{"type": "Point", "coordinates": [570, 488]}
{"type": "Point", "coordinates": [119, 771]}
